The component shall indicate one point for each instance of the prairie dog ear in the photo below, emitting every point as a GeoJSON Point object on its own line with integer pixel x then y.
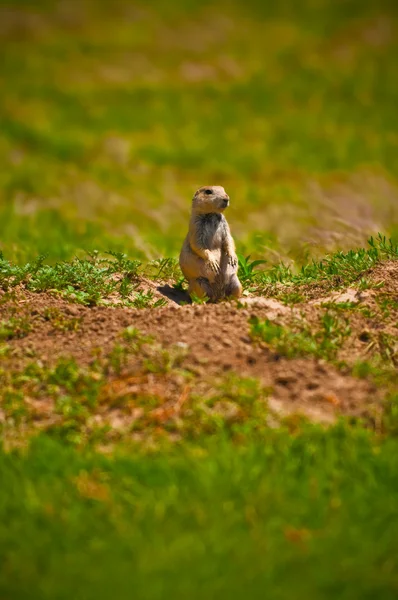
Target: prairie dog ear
{"type": "Point", "coordinates": [196, 195]}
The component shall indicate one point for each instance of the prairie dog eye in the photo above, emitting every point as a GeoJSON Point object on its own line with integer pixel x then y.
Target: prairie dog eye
{"type": "Point", "coordinates": [208, 192]}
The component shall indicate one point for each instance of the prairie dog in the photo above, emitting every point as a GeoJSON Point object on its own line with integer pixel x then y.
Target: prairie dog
{"type": "Point", "coordinates": [208, 258]}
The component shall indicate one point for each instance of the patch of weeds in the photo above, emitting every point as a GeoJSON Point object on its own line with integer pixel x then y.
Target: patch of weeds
{"type": "Point", "coordinates": [125, 287]}
{"type": "Point", "coordinates": [196, 300]}
{"type": "Point", "coordinates": [301, 340]}
{"type": "Point", "coordinates": [90, 281]}
{"type": "Point", "coordinates": [381, 374]}
{"type": "Point", "coordinates": [237, 406]}
{"type": "Point", "coordinates": [145, 300]}
{"type": "Point", "coordinates": [65, 390]}
{"type": "Point", "coordinates": [5, 350]}
{"type": "Point", "coordinates": [180, 284]}
{"type": "Point", "coordinates": [151, 393]}
{"type": "Point", "coordinates": [82, 281]}
{"type": "Point", "coordinates": [367, 312]}
{"type": "Point", "coordinates": [74, 379]}
{"type": "Point", "coordinates": [384, 348]}
{"type": "Point", "coordinates": [131, 334]}
{"type": "Point", "coordinates": [135, 340]}
{"type": "Point", "coordinates": [390, 415]}
{"type": "Point", "coordinates": [247, 270]}
{"type": "Point", "coordinates": [122, 264]}
{"type": "Point", "coordinates": [337, 270]}
{"type": "Point", "coordinates": [74, 415]}
{"type": "Point", "coordinates": [159, 303]}
{"type": "Point", "coordinates": [131, 343]}
{"type": "Point", "coordinates": [10, 296]}
{"type": "Point", "coordinates": [340, 305]}
{"type": "Point", "coordinates": [364, 369]}
{"type": "Point", "coordinates": [13, 275]}
{"type": "Point", "coordinates": [162, 360]}
{"type": "Point", "coordinates": [366, 284]}
{"type": "Point", "coordinates": [164, 268]}
{"type": "Point", "coordinates": [14, 327]}
{"type": "Point", "coordinates": [117, 358]}
{"type": "Point", "coordinates": [290, 298]}
{"type": "Point", "coordinates": [388, 348]}
{"type": "Point", "coordinates": [387, 304]}
{"type": "Point", "coordinates": [85, 281]}
{"type": "Point", "coordinates": [13, 405]}
{"type": "Point", "coordinates": [60, 321]}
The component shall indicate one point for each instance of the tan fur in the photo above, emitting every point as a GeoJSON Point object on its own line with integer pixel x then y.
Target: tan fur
{"type": "Point", "coordinates": [208, 258]}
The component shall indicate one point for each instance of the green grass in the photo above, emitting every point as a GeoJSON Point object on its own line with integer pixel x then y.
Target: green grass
{"type": "Point", "coordinates": [47, 232]}
{"type": "Point", "coordinates": [313, 511]}
{"type": "Point", "coordinates": [88, 281]}
{"type": "Point", "coordinates": [94, 279]}
{"type": "Point", "coordinates": [113, 116]}
{"type": "Point", "coordinates": [76, 404]}
{"type": "Point", "coordinates": [304, 340]}
{"type": "Point", "coordinates": [14, 327]}
{"type": "Point", "coordinates": [230, 508]}
{"type": "Point", "coordinates": [339, 269]}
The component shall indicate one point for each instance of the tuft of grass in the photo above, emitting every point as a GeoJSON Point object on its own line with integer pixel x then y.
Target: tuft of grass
{"type": "Point", "coordinates": [145, 300]}
{"type": "Point", "coordinates": [390, 415]}
{"type": "Point", "coordinates": [323, 342]}
{"type": "Point", "coordinates": [198, 300]}
{"type": "Point", "coordinates": [380, 372]}
{"type": "Point", "coordinates": [14, 327]}
{"type": "Point", "coordinates": [387, 304]}
{"type": "Point", "coordinates": [388, 348]}
{"type": "Point", "coordinates": [337, 270]}
{"type": "Point", "coordinates": [164, 268]}
{"type": "Point", "coordinates": [247, 269]}
{"type": "Point", "coordinates": [86, 281]}
{"type": "Point", "coordinates": [60, 321]}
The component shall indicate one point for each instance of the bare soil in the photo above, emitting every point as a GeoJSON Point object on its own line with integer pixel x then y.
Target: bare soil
{"type": "Point", "coordinates": [216, 341]}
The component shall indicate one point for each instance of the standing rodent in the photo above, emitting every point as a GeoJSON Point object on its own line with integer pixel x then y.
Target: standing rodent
{"type": "Point", "coordinates": [208, 258]}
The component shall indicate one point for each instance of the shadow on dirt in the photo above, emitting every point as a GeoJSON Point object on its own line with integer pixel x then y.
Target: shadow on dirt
{"type": "Point", "coordinates": [177, 296]}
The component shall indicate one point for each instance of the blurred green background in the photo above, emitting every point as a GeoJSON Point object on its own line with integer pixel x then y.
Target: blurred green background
{"type": "Point", "coordinates": [114, 113]}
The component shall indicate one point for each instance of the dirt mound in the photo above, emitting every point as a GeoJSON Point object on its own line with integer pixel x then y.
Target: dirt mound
{"type": "Point", "coordinates": [370, 309]}
{"type": "Point", "coordinates": [216, 341]}
{"type": "Point", "coordinates": [386, 274]}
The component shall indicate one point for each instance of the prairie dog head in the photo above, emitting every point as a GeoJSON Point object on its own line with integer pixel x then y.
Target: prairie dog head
{"type": "Point", "coordinates": [210, 199]}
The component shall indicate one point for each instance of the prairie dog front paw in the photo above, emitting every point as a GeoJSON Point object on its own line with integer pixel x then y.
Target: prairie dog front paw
{"type": "Point", "coordinates": [213, 265]}
{"type": "Point", "coordinates": [233, 261]}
